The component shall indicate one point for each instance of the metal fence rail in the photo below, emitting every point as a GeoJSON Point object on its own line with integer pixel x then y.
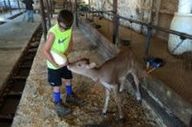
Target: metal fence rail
{"type": "Point", "coordinates": [149, 27]}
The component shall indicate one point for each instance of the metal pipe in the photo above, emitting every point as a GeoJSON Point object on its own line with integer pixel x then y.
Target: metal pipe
{"type": "Point", "coordinates": [158, 28]}
{"type": "Point", "coordinates": [147, 25]}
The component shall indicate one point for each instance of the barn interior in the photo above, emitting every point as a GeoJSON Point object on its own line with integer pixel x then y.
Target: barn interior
{"type": "Point", "coordinates": [158, 32]}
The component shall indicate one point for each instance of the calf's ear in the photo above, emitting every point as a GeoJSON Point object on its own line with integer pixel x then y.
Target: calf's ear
{"type": "Point", "coordinates": [91, 65]}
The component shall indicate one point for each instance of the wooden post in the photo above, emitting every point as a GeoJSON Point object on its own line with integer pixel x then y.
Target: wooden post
{"type": "Point", "coordinates": [51, 8]}
{"type": "Point", "coordinates": [9, 4]}
{"type": "Point", "coordinates": [52, 5]}
{"type": "Point", "coordinates": [115, 23]}
{"type": "Point", "coordinates": [89, 4]}
{"type": "Point", "coordinates": [48, 13]}
{"type": "Point", "coordinates": [44, 24]}
{"type": "Point", "coordinates": [76, 14]}
{"type": "Point", "coordinates": [64, 4]}
{"type": "Point", "coordinates": [148, 40]}
{"type": "Point", "coordinates": [71, 7]}
{"type": "Point", "coordinates": [18, 4]}
{"type": "Point", "coordinates": [149, 32]}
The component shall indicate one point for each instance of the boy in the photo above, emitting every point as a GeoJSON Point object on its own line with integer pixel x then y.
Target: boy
{"type": "Point", "coordinates": [60, 40]}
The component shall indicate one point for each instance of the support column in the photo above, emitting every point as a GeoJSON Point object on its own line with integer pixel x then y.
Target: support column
{"type": "Point", "coordinates": [43, 17]}
{"type": "Point", "coordinates": [76, 14]}
{"type": "Point", "coordinates": [10, 8]}
{"type": "Point", "coordinates": [18, 4]}
{"type": "Point", "coordinates": [48, 13]}
{"type": "Point", "coordinates": [115, 23]}
{"type": "Point", "coordinates": [181, 22]}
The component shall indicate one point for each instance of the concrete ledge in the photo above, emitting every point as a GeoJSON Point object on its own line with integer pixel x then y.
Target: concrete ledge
{"type": "Point", "coordinates": [178, 112]}
{"type": "Point", "coordinates": [36, 108]}
{"type": "Point", "coordinates": [167, 99]}
{"type": "Point", "coordinates": [106, 48]}
{"type": "Point", "coordinates": [21, 46]}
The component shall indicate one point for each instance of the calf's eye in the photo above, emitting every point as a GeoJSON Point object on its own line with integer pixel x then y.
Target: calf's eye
{"type": "Point", "coordinates": [79, 64]}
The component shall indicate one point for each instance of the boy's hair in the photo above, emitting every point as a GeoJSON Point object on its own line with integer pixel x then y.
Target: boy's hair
{"type": "Point", "coordinates": [65, 17]}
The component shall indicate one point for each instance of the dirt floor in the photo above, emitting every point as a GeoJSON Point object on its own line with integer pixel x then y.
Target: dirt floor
{"type": "Point", "coordinates": [37, 109]}
{"type": "Point", "coordinates": [177, 72]}
{"type": "Point", "coordinates": [93, 95]}
{"type": "Point", "coordinates": [135, 114]}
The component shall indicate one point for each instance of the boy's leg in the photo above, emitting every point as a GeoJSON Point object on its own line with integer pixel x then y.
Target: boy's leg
{"type": "Point", "coordinates": [25, 15]}
{"type": "Point", "coordinates": [32, 18]}
{"type": "Point", "coordinates": [56, 95]}
{"type": "Point", "coordinates": [68, 87]}
{"type": "Point", "coordinates": [59, 107]}
{"type": "Point", "coordinates": [28, 15]}
{"type": "Point", "coordinates": [71, 98]}
{"type": "Point", "coordinates": [55, 81]}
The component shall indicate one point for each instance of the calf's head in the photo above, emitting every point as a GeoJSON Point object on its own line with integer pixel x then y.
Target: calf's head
{"type": "Point", "coordinates": [81, 66]}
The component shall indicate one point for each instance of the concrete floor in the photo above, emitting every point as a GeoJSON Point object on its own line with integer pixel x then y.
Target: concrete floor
{"type": "Point", "coordinates": [4, 17]}
{"type": "Point", "coordinates": [13, 40]}
{"type": "Point", "coordinates": [14, 36]}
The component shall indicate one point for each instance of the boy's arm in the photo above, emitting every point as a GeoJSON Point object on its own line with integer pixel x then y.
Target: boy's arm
{"type": "Point", "coordinates": [47, 49]}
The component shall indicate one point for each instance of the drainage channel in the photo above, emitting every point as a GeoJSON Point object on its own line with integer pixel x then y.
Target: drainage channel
{"type": "Point", "coordinates": [11, 92]}
{"type": "Point", "coordinates": [12, 17]}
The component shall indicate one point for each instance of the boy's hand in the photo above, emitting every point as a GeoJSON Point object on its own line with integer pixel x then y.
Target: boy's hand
{"type": "Point", "coordinates": [66, 54]}
{"type": "Point", "coordinates": [55, 65]}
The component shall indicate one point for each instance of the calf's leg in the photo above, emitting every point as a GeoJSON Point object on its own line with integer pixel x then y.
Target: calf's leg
{"type": "Point", "coordinates": [138, 93]}
{"type": "Point", "coordinates": [107, 97]}
{"type": "Point", "coordinates": [117, 100]}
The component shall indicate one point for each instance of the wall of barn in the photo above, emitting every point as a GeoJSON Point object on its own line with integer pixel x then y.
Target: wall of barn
{"type": "Point", "coordinates": [157, 12]}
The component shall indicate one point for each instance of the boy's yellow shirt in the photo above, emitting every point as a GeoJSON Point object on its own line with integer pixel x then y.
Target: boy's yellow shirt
{"type": "Point", "coordinates": [61, 42]}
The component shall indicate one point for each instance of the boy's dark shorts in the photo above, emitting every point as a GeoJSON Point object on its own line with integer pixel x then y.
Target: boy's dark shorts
{"type": "Point", "coordinates": [55, 76]}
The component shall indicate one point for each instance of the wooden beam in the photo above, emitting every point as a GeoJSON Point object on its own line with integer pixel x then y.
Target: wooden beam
{"type": "Point", "coordinates": [51, 2]}
{"type": "Point", "coordinates": [9, 4]}
{"type": "Point", "coordinates": [43, 17]}
{"type": "Point", "coordinates": [115, 23]}
{"type": "Point", "coordinates": [48, 13]}
{"type": "Point", "coordinates": [76, 14]}
{"type": "Point", "coordinates": [18, 4]}
{"type": "Point", "coordinates": [89, 4]}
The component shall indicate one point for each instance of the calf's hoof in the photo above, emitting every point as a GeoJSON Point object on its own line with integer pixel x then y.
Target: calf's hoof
{"type": "Point", "coordinates": [104, 114]}
{"type": "Point", "coordinates": [121, 119]}
{"type": "Point", "coordinates": [138, 97]}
